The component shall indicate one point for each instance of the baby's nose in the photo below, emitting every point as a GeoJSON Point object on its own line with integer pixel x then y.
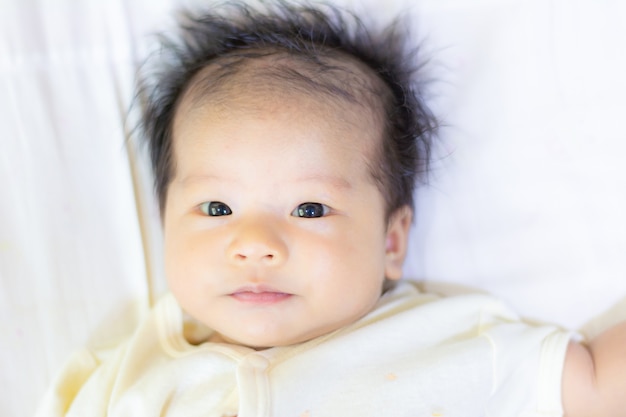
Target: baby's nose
{"type": "Point", "coordinates": [258, 241]}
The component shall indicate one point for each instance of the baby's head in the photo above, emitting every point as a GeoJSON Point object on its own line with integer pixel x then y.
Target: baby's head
{"type": "Point", "coordinates": [285, 144]}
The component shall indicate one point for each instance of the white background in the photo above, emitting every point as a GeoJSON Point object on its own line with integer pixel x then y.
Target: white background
{"type": "Point", "coordinates": [526, 198]}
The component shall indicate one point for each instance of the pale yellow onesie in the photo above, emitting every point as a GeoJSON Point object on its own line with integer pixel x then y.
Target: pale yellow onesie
{"type": "Point", "coordinates": [414, 355]}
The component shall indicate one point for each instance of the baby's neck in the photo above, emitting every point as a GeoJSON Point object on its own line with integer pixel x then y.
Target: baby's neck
{"type": "Point", "coordinates": [218, 338]}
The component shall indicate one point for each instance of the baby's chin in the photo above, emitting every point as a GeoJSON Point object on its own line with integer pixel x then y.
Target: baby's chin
{"type": "Point", "coordinates": [266, 337]}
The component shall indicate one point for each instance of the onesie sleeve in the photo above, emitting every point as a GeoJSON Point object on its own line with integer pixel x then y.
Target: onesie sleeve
{"type": "Point", "coordinates": [85, 370]}
{"type": "Point", "coordinates": [67, 384]}
{"type": "Point", "coordinates": [527, 369]}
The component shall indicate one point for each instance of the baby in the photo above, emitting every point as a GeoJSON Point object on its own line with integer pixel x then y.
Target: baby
{"type": "Point", "coordinates": [286, 142]}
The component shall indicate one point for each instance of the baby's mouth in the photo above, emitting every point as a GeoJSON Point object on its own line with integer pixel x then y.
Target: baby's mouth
{"type": "Point", "coordinates": [259, 294]}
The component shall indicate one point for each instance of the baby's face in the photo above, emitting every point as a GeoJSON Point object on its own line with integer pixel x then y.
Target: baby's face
{"type": "Point", "coordinates": [274, 228]}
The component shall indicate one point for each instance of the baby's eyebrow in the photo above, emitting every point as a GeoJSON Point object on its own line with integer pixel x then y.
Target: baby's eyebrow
{"type": "Point", "coordinates": [332, 180]}
{"type": "Point", "coordinates": [195, 178]}
{"type": "Point", "coordinates": [323, 179]}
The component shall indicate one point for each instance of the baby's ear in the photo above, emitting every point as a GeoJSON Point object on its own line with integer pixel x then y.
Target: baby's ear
{"type": "Point", "coordinates": [397, 240]}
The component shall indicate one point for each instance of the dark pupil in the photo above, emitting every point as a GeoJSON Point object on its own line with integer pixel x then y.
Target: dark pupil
{"type": "Point", "coordinates": [310, 210]}
{"type": "Point", "coordinates": [219, 209]}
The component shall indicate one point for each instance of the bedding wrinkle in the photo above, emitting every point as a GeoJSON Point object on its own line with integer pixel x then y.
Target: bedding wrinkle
{"type": "Point", "coordinates": [147, 221]}
{"type": "Point", "coordinates": [494, 370]}
{"type": "Point", "coordinates": [73, 252]}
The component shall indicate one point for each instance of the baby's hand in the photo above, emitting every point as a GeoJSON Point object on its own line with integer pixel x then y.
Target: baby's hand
{"type": "Point", "coordinates": [594, 378]}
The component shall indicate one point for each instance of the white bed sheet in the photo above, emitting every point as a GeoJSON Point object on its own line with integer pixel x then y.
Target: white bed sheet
{"type": "Point", "coordinates": [526, 198]}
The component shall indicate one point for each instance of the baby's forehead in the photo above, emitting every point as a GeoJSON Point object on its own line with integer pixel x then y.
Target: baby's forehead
{"type": "Point", "coordinates": [250, 80]}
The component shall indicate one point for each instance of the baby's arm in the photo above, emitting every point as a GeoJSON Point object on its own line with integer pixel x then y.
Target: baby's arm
{"type": "Point", "coordinates": [594, 378]}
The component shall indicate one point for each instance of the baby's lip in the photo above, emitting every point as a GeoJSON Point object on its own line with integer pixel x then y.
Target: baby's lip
{"type": "Point", "coordinates": [259, 294]}
{"type": "Point", "coordinates": [257, 289]}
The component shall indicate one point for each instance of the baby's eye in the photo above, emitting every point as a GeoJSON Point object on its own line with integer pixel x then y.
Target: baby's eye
{"type": "Point", "coordinates": [310, 210]}
{"type": "Point", "coordinates": [215, 208]}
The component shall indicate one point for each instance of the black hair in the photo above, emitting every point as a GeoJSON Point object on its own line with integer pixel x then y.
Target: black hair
{"type": "Point", "coordinates": [233, 33]}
